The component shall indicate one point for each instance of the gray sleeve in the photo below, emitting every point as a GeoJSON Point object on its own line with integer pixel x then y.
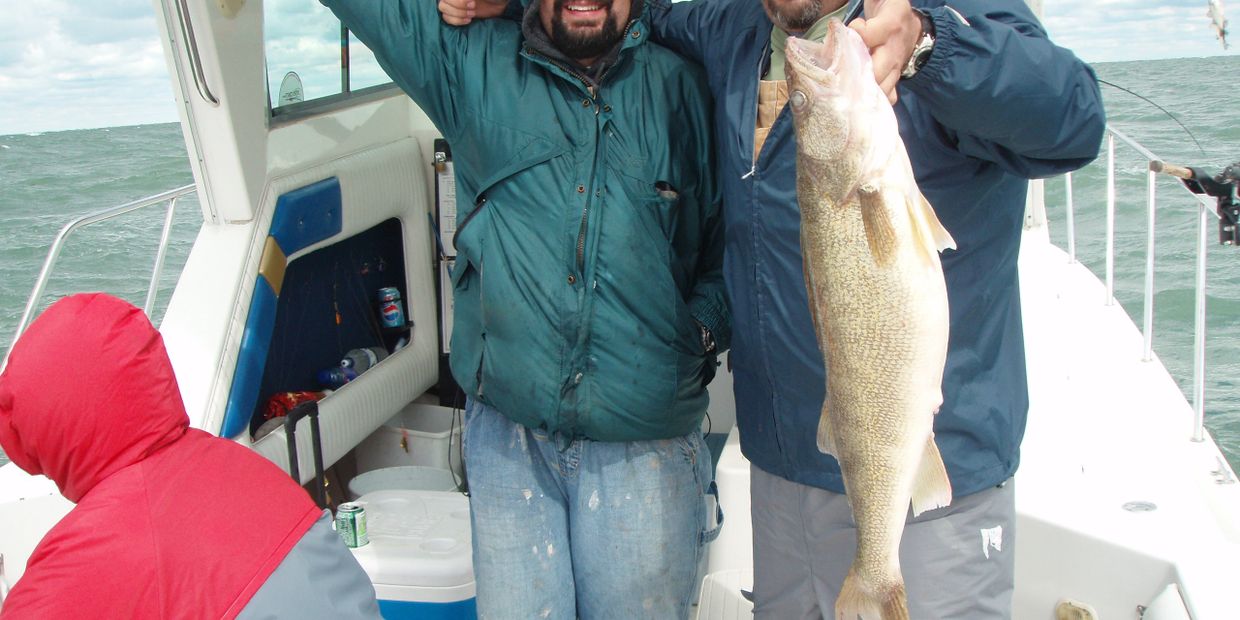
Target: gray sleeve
{"type": "Point", "coordinates": [319, 578]}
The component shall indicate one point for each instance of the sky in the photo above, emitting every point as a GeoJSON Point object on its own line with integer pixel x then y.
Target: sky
{"type": "Point", "coordinates": [72, 64]}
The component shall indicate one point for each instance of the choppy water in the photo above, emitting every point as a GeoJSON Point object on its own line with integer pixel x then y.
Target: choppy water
{"type": "Point", "coordinates": [1200, 93]}
{"type": "Point", "coordinates": [48, 179]}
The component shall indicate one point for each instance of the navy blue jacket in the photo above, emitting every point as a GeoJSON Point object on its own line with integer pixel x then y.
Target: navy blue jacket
{"type": "Point", "coordinates": [996, 104]}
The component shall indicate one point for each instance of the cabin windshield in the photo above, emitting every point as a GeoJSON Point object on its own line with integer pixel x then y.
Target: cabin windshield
{"type": "Point", "coordinates": [312, 61]}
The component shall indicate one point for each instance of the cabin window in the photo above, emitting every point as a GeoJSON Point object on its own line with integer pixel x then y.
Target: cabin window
{"type": "Point", "coordinates": [311, 59]}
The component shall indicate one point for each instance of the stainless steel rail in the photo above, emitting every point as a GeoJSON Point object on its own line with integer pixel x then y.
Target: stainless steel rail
{"type": "Point", "coordinates": [1206, 215]}
{"type": "Point", "coordinates": [191, 50]}
{"type": "Point", "coordinates": [169, 197]}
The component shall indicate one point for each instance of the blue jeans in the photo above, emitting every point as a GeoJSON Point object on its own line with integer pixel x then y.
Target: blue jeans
{"type": "Point", "coordinates": [570, 528]}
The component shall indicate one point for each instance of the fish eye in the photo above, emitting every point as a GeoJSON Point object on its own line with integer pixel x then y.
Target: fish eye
{"type": "Point", "coordinates": [797, 99]}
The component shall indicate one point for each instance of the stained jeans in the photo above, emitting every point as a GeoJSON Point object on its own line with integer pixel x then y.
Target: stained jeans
{"type": "Point", "coordinates": [567, 528]}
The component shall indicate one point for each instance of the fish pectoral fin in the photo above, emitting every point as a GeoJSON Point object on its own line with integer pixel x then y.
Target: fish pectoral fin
{"type": "Point", "coordinates": [930, 233]}
{"type": "Point", "coordinates": [931, 488]}
{"type": "Point", "coordinates": [880, 233]}
{"type": "Point", "coordinates": [826, 439]}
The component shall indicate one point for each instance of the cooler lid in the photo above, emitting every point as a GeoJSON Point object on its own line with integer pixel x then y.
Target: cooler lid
{"type": "Point", "coordinates": [417, 538]}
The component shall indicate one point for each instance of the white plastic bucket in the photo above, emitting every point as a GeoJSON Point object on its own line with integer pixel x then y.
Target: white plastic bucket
{"type": "Point", "coordinates": [404, 478]}
{"type": "Point", "coordinates": [420, 434]}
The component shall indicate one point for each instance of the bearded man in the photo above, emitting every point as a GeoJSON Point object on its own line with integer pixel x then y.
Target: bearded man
{"type": "Point", "coordinates": [985, 101]}
{"type": "Point", "coordinates": [589, 301]}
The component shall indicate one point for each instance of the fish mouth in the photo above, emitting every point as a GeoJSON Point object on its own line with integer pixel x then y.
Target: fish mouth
{"type": "Point", "coordinates": [807, 57]}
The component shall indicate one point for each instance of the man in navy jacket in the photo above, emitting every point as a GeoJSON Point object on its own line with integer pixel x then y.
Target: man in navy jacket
{"type": "Point", "coordinates": [985, 101]}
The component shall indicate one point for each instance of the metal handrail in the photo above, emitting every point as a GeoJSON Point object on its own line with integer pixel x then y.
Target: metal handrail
{"type": "Point", "coordinates": [170, 197]}
{"type": "Point", "coordinates": [191, 50]}
{"type": "Point", "coordinates": [1206, 208]}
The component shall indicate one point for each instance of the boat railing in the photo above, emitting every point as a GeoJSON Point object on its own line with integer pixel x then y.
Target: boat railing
{"type": "Point", "coordinates": [1206, 214]}
{"type": "Point", "coordinates": [168, 198]}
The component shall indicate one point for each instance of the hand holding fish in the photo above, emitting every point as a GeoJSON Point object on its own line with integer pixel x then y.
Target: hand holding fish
{"type": "Point", "coordinates": [890, 29]}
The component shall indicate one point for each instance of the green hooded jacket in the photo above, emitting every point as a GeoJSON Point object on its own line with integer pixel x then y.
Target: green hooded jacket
{"type": "Point", "coordinates": [589, 238]}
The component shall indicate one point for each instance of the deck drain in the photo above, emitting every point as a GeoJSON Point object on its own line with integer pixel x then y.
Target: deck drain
{"type": "Point", "coordinates": [1140, 507]}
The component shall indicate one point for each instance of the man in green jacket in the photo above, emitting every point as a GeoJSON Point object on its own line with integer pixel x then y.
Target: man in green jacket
{"type": "Point", "coordinates": [589, 302]}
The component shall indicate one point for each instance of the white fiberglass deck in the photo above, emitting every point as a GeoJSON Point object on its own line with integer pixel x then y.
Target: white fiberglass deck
{"type": "Point", "coordinates": [1115, 500]}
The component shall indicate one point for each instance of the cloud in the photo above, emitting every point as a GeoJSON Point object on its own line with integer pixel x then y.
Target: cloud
{"type": "Point", "coordinates": [1119, 30]}
{"type": "Point", "coordinates": [78, 64]}
{"type": "Point", "coordinates": [96, 63]}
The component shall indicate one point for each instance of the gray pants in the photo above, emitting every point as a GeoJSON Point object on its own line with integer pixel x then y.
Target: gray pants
{"type": "Point", "coordinates": [958, 562]}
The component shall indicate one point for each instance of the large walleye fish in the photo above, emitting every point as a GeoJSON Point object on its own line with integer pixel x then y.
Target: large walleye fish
{"type": "Point", "coordinates": [870, 244]}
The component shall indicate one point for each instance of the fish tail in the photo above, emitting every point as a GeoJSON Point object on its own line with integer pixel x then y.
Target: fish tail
{"type": "Point", "coordinates": [896, 606]}
{"type": "Point", "coordinates": [857, 601]}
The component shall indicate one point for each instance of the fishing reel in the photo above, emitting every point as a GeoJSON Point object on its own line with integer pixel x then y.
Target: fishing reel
{"type": "Point", "coordinates": [1223, 187]}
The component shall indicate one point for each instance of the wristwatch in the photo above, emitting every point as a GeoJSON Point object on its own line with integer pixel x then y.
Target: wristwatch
{"type": "Point", "coordinates": [708, 339]}
{"type": "Point", "coordinates": [925, 45]}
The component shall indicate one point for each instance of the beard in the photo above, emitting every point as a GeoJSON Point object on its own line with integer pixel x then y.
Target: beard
{"type": "Point", "coordinates": [583, 43]}
{"type": "Point", "coordinates": [795, 16]}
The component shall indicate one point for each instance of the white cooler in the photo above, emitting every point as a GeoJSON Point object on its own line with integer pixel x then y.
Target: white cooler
{"type": "Point", "coordinates": [419, 556]}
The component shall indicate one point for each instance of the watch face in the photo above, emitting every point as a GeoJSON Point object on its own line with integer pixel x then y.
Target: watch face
{"type": "Point", "coordinates": [921, 53]}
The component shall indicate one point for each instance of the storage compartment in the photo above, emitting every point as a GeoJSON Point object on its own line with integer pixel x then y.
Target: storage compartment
{"type": "Point", "coordinates": [420, 434]}
{"type": "Point", "coordinates": [327, 305]}
{"type": "Point", "coordinates": [419, 557]}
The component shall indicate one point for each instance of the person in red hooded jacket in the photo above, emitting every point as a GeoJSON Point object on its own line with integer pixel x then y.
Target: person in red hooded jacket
{"type": "Point", "coordinates": [170, 521]}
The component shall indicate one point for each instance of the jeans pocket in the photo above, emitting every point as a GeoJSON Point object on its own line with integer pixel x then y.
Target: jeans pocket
{"type": "Point", "coordinates": [714, 514]}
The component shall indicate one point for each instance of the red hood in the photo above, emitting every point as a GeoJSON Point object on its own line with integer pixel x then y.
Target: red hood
{"type": "Point", "coordinates": [86, 393]}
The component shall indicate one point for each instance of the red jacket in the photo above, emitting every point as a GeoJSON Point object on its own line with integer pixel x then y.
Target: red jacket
{"type": "Point", "coordinates": [170, 522]}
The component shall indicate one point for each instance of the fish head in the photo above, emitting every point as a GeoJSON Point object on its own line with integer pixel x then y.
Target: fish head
{"type": "Point", "coordinates": [831, 90]}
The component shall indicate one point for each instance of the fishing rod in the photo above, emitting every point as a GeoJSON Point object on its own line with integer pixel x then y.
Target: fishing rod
{"type": "Point", "coordinates": [1164, 111]}
{"type": "Point", "coordinates": [1223, 187]}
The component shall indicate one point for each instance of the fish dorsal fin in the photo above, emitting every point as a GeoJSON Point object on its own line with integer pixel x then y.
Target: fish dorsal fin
{"type": "Point", "coordinates": [880, 232]}
{"type": "Point", "coordinates": [931, 488]}
{"type": "Point", "coordinates": [929, 233]}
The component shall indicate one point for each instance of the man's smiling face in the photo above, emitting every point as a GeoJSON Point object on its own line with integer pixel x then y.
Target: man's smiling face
{"type": "Point", "coordinates": [584, 29]}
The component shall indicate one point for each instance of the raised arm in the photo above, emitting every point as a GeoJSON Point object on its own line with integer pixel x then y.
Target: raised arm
{"type": "Point", "coordinates": [688, 28]}
{"type": "Point", "coordinates": [413, 46]}
{"type": "Point", "coordinates": [1012, 95]}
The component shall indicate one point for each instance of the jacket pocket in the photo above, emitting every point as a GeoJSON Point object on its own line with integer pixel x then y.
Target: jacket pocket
{"type": "Point", "coordinates": [468, 328]}
{"type": "Point", "coordinates": [460, 227]}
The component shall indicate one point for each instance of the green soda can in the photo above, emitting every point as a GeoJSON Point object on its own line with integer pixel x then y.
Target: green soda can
{"type": "Point", "coordinates": [351, 524]}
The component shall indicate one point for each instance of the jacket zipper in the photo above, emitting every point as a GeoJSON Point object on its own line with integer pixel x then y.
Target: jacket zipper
{"type": "Point", "coordinates": [591, 87]}
{"type": "Point", "coordinates": [753, 167]}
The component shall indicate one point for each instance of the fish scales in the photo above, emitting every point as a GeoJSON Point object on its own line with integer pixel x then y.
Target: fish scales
{"type": "Point", "coordinates": [870, 246]}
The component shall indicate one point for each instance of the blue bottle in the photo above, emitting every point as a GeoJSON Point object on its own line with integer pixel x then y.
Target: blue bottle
{"type": "Point", "coordinates": [336, 376]}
